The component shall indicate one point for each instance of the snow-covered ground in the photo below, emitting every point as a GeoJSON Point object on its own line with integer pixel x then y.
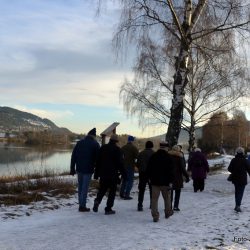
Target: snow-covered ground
{"type": "Point", "coordinates": [206, 221]}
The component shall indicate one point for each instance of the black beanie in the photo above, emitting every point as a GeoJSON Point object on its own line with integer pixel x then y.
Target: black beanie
{"type": "Point", "coordinates": [92, 132]}
{"type": "Point", "coordinates": [149, 144]}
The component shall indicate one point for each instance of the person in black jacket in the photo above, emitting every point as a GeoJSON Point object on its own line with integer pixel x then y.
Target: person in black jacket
{"type": "Point", "coordinates": [238, 168]}
{"type": "Point", "coordinates": [142, 162]}
{"type": "Point", "coordinates": [160, 174]}
{"type": "Point", "coordinates": [109, 167]}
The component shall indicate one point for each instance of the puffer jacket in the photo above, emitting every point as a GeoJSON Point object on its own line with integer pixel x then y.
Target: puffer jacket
{"type": "Point", "coordinates": [239, 167]}
{"type": "Point", "coordinates": [179, 169]}
{"type": "Point", "coordinates": [198, 165]}
{"type": "Point", "coordinates": [84, 156]}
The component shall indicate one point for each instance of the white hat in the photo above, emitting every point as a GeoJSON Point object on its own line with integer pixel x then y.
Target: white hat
{"type": "Point", "coordinates": [240, 150]}
{"type": "Point", "coordinates": [197, 150]}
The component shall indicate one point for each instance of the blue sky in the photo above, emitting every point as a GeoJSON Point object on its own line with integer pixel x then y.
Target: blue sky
{"type": "Point", "coordinates": [56, 61]}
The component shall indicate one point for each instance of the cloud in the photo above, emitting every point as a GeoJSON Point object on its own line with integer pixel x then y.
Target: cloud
{"type": "Point", "coordinates": [52, 114]}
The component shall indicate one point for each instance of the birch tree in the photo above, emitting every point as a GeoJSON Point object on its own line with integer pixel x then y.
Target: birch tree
{"type": "Point", "coordinates": [177, 26]}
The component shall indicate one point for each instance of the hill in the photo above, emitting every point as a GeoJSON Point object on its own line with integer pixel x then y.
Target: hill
{"type": "Point", "coordinates": [183, 138]}
{"type": "Point", "coordinates": [13, 120]}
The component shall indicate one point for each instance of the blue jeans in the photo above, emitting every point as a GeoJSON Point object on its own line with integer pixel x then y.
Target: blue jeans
{"type": "Point", "coordinates": [239, 191]}
{"type": "Point", "coordinates": [83, 187]}
{"type": "Point", "coordinates": [128, 183]}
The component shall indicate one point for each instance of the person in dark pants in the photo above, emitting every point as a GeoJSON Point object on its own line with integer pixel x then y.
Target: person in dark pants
{"type": "Point", "coordinates": [239, 167]}
{"type": "Point", "coordinates": [109, 166]}
{"type": "Point", "coordinates": [179, 170]}
{"type": "Point", "coordinates": [83, 161]}
{"type": "Point", "coordinates": [198, 165]}
{"type": "Point", "coordinates": [142, 162]}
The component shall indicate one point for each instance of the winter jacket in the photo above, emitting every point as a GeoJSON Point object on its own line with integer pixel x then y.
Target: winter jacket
{"type": "Point", "coordinates": [143, 158]}
{"type": "Point", "coordinates": [159, 169]}
{"type": "Point", "coordinates": [179, 169]}
{"type": "Point", "coordinates": [84, 156]}
{"type": "Point", "coordinates": [239, 166]}
{"type": "Point", "coordinates": [198, 165]}
{"type": "Point", "coordinates": [110, 162]}
{"type": "Point", "coordinates": [130, 153]}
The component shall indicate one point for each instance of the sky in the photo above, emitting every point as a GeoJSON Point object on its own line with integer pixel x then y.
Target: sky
{"type": "Point", "coordinates": [57, 62]}
{"type": "Point", "coordinates": [206, 220]}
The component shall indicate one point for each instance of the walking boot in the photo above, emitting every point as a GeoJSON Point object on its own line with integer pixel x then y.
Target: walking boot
{"type": "Point", "coordinates": [96, 205]}
{"type": "Point", "coordinates": [84, 209]}
{"type": "Point", "coordinates": [109, 211]}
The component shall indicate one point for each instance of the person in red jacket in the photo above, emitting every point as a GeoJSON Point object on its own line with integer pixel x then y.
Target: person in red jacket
{"type": "Point", "coordinates": [198, 165]}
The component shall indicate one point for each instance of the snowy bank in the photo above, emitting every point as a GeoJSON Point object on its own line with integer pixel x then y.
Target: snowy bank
{"type": "Point", "coordinates": [206, 221]}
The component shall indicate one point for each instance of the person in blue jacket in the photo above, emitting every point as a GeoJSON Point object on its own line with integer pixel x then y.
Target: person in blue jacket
{"type": "Point", "coordinates": [83, 161]}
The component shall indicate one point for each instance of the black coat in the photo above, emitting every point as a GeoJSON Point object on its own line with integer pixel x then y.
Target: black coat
{"type": "Point", "coordinates": [110, 162]}
{"type": "Point", "coordinates": [239, 167]}
{"type": "Point", "coordinates": [143, 158]}
{"type": "Point", "coordinates": [159, 170]}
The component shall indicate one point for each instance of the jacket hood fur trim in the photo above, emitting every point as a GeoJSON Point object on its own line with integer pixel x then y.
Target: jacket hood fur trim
{"type": "Point", "coordinates": [175, 153]}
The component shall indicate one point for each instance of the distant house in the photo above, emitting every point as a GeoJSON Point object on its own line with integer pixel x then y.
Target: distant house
{"type": "Point", "coordinates": [2, 135]}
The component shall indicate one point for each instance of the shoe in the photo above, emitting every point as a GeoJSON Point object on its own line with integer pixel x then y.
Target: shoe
{"type": "Point", "coordinates": [170, 213]}
{"type": "Point", "coordinates": [128, 198]}
{"type": "Point", "coordinates": [122, 196]}
{"type": "Point", "coordinates": [176, 209]}
{"type": "Point", "coordinates": [237, 209]}
{"type": "Point", "coordinates": [139, 208]}
{"type": "Point", "coordinates": [155, 219]}
{"type": "Point", "coordinates": [84, 209]}
{"type": "Point", "coordinates": [95, 207]}
{"type": "Point", "coordinates": [107, 212]}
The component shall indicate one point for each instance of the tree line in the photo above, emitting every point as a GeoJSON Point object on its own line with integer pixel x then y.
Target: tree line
{"type": "Point", "coordinates": [222, 133]}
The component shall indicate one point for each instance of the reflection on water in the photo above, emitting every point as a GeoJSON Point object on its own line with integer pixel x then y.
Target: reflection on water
{"type": "Point", "coordinates": [16, 159]}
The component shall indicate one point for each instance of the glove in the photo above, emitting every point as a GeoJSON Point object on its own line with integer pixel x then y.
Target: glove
{"type": "Point", "coordinates": [72, 172]}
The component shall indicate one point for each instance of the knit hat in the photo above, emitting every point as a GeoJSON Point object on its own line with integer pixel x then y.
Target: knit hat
{"type": "Point", "coordinates": [92, 132]}
{"type": "Point", "coordinates": [114, 137]}
{"type": "Point", "coordinates": [240, 150]}
{"type": "Point", "coordinates": [197, 150]}
{"type": "Point", "coordinates": [164, 144]}
{"type": "Point", "coordinates": [149, 144]}
{"type": "Point", "coordinates": [131, 138]}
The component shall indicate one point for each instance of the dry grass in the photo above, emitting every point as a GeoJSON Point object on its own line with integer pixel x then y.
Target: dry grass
{"type": "Point", "coordinates": [23, 190]}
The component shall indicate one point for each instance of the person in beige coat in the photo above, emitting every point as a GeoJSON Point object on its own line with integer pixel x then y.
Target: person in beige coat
{"type": "Point", "coordinates": [179, 171]}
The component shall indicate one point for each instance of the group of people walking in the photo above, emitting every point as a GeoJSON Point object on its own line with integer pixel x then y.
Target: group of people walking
{"type": "Point", "coordinates": [164, 171]}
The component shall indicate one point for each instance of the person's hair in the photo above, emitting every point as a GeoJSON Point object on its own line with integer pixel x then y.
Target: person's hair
{"type": "Point", "coordinates": [149, 144]}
